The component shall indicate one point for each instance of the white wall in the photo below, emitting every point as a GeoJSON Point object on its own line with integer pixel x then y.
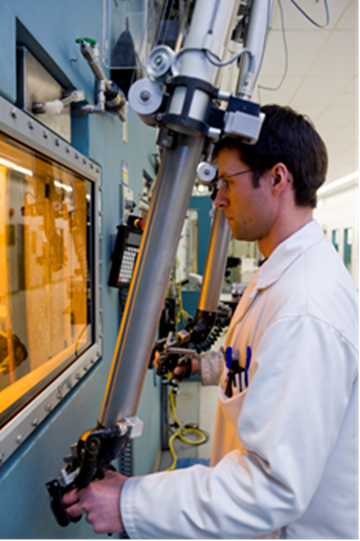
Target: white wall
{"type": "Point", "coordinates": [337, 209]}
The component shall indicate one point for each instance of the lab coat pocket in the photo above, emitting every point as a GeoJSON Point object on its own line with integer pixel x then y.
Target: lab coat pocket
{"type": "Point", "coordinates": [231, 407]}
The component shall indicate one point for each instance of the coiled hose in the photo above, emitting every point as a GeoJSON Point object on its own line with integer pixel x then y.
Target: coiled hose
{"type": "Point", "coordinates": [181, 432]}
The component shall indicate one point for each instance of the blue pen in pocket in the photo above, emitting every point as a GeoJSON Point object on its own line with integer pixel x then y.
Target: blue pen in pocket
{"type": "Point", "coordinates": [247, 365]}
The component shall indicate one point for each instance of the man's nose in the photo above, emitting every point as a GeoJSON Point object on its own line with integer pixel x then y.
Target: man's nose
{"type": "Point", "coordinates": [220, 200]}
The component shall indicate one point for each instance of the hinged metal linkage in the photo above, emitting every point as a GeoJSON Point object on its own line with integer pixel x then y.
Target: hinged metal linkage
{"type": "Point", "coordinates": [180, 96]}
{"type": "Point", "coordinates": [89, 459]}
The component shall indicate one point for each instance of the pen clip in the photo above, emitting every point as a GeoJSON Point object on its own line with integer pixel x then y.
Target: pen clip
{"type": "Point", "coordinates": [247, 365]}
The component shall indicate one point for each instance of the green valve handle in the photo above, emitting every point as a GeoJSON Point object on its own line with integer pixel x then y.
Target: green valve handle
{"type": "Point", "coordinates": [90, 41]}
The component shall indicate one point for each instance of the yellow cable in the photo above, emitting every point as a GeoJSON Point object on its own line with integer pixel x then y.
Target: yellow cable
{"type": "Point", "coordinates": [180, 431]}
{"type": "Point", "coordinates": [182, 313]}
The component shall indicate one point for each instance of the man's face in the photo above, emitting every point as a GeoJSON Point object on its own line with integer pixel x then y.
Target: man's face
{"type": "Point", "coordinates": [249, 210]}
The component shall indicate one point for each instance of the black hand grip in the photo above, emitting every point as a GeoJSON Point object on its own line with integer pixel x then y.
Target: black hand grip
{"type": "Point", "coordinates": [56, 492]}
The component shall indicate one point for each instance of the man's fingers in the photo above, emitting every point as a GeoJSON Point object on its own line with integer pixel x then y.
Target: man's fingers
{"type": "Point", "coordinates": [71, 497]}
{"type": "Point", "coordinates": [75, 510]}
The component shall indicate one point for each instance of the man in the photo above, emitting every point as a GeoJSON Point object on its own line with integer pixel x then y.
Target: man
{"type": "Point", "coordinates": [284, 454]}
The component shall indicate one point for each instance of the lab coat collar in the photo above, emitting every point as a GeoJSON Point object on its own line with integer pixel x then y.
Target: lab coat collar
{"type": "Point", "coordinates": [286, 253]}
{"type": "Point", "coordinates": [271, 270]}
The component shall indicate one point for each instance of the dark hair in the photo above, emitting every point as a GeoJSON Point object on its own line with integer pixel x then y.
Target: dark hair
{"type": "Point", "coordinates": [290, 138]}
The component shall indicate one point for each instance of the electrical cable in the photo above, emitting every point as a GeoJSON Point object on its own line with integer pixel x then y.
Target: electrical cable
{"type": "Point", "coordinates": [264, 45]}
{"type": "Point", "coordinates": [209, 54]}
{"type": "Point", "coordinates": [181, 431]}
{"type": "Point", "coordinates": [286, 52]}
{"type": "Point", "coordinates": [312, 20]}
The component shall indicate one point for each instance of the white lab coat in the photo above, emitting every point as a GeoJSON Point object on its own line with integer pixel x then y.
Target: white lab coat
{"type": "Point", "coordinates": [284, 460]}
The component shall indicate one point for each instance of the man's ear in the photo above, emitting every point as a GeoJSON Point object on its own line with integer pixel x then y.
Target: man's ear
{"type": "Point", "coordinates": [281, 177]}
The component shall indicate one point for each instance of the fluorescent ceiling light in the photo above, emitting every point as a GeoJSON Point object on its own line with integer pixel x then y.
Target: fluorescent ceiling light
{"type": "Point", "coordinates": [15, 167]}
{"type": "Point", "coordinates": [338, 183]}
{"type": "Point", "coordinates": [63, 186]}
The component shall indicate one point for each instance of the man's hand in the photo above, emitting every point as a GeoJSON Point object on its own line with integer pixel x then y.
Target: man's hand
{"type": "Point", "coordinates": [100, 501]}
{"type": "Point", "coordinates": [178, 372]}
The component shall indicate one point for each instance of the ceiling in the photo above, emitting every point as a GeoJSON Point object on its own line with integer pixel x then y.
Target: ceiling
{"type": "Point", "coordinates": [321, 79]}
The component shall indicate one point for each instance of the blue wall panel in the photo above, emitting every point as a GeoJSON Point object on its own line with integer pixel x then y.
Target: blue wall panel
{"type": "Point", "coordinates": [54, 26]}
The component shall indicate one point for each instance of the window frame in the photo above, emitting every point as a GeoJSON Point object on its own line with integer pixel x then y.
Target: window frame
{"type": "Point", "coordinates": [28, 131]}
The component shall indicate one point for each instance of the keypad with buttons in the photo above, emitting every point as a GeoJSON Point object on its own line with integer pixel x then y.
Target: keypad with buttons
{"type": "Point", "coordinates": [127, 264]}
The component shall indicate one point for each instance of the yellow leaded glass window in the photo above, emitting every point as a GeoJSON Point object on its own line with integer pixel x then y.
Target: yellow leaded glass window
{"type": "Point", "coordinates": [45, 279]}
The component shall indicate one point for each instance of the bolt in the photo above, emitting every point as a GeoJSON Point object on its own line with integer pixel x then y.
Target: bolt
{"type": "Point", "coordinates": [13, 113]}
{"type": "Point", "coordinates": [67, 149]}
{"type": "Point", "coordinates": [34, 422]}
{"type": "Point", "coordinates": [57, 142]}
{"type": "Point", "coordinates": [31, 125]}
{"type": "Point", "coordinates": [84, 161]}
{"type": "Point", "coordinates": [45, 135]}
{"type": "Point", "coordinates": [18, 438]}
{"type": "Point", "coordinates": [97, 170]}
{"type": "Point", "coordinates": [158, 61]}
{"type": "Point", "coordinates": [76, 155]}
{"type": "Point", "coordinates": [91, 166]}
{"type": "Point", "coordinates": [145, 95]}
{"type": "Point", "coordinates": [48, 407]}
{"type": "Point", "coordinates": [85, 368]}
{"type": "Point", "coordinates": [78, 376]}
{"type": "Point", "coordinates": [59, 395]}
{"type": "Point", "coordinates": [92, 361]}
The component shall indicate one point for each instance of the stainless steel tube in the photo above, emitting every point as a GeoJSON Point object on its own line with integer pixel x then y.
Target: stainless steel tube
{"type": "Point", "coordinates": [215, 263]}
{"type": "Point", "coordinates": [137, 333]}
